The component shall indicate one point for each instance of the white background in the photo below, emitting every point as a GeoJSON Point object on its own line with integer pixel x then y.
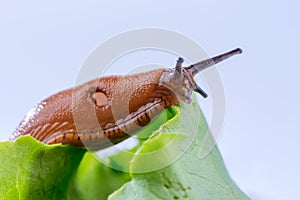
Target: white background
{"type": "Point", "coordinates": [43, 45]}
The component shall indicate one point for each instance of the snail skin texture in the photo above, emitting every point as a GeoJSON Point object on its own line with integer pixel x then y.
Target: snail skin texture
{"type": "Point", "coordinates": [144, 96]}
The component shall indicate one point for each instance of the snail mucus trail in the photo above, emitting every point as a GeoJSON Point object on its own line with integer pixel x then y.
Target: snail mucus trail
{"type": "Point", "coordinates": [94, 104]}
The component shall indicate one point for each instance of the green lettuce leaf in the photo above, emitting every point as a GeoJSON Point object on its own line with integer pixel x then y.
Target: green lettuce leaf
{"type": "Point", "coordinates": [167, 165]}
{"type": "Point", "coordinates": [95, 180]}
{"type": "Point", "coordinates": [32, 170]}
{"type": "Point", "coordinates": [188, 177]}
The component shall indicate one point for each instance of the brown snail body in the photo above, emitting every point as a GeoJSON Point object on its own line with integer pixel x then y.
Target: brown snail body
{"type": "Point", "coordinates": [111, 107]}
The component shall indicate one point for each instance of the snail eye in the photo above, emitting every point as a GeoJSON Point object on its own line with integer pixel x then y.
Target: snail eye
{"type": "Point", "coordinates": [99, 98]}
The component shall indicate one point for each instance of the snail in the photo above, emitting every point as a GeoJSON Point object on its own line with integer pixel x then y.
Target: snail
{"type": "Point", "coordinates": [136, 99]}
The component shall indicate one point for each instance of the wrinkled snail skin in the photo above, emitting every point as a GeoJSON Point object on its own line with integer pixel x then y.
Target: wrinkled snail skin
{"type": "Point", "coordinates": [107, 110]}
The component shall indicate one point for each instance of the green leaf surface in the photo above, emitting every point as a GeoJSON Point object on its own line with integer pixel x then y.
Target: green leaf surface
{"type": "Point", "coordinates": [167, 165]}
{"type": "Point", "coordinates": [95, 180]}
{"type": "Point", "coordinates": [188, 177]}
{"type": "Point", "coordinates": [32, 170]}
